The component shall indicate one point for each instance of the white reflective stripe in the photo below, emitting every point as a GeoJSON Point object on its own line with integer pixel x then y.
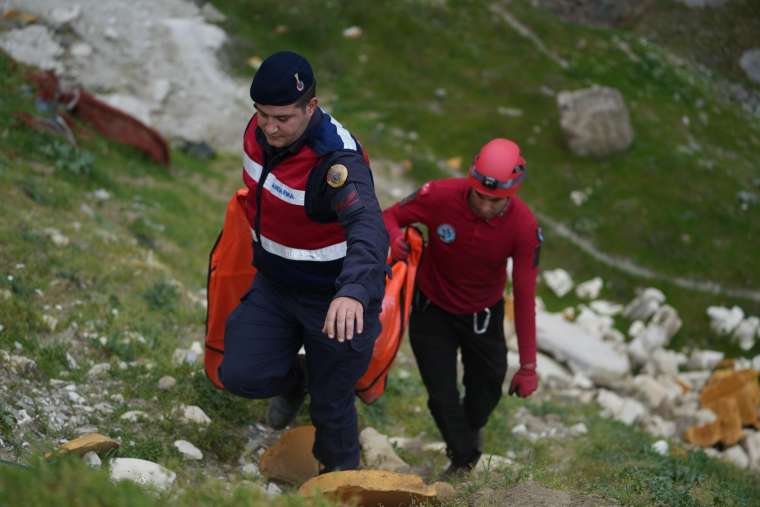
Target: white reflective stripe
{"type": "Point", "coordinates": [274, 185]}
{"type": "Point", "coordinates": [345, 135]}
{"type": "Point", "coordinates": [328, 253]}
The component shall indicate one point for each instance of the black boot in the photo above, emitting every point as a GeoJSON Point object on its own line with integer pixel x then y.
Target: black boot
{"type": "Point", "coordinates": [460, 466]}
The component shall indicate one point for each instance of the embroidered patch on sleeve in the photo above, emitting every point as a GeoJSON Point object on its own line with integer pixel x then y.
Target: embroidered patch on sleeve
{"type": "Point", "coordinates": [347, 201]}
{"type": "Point", "coordinates": [337, 175]}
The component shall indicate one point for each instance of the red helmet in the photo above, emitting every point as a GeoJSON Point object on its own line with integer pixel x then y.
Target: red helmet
{"type": "Point", "coordinates": [498, 170]}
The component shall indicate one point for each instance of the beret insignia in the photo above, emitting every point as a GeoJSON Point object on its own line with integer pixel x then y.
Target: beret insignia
{"type": "Point", "coordinates": [337, 175]}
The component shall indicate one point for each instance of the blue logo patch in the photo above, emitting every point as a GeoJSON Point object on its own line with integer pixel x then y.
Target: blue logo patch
{"type": "Point", "coordinates": [540, 235]}
{"type": "Point", "coordinates": [446, 232]}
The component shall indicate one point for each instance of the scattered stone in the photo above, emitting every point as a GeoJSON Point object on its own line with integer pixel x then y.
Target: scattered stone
{"type": "Point", "coordinates": [272, 490]}
{"type": "Point", "coordinates": [737, 456]}
{"type": "Point", "coordinates": [751, 444]}
{"type": "Point", "coordinates": [578, 429]}
{"type": "Point", "coordinates": [194, 414]}
{"type": "Point", "coordinates": [92, 459]}
{"type": "Point", "coordinates": [99, 370]}
{"type": "Point", "coordinates": [379, 453]}
{"type": "Point", "coordinates": [595, 121]}
{"type": "Point", "coordinates": [657, 426]}
{"type": "Point", "coordinates": [63, 15]}
{"type": "Point", "coordinates": [101, 194]}
{"type": "Point", "coordinates": [22, 365]}
{"type": "Point", "coordinates": [84, 430]}
{"type": "Point", "coordinates": [660, 447]}
{"type": "Point", "coordinates": [558, 280]}
{"type": "Point", "coordinates": [625, 410]}
{"type": "Point", "coordinates": [491, 462]}
{"type": "Point", "coordinates": [606, 308]}
{"type": "Point", "coordinates": [644, 305]}
{"type": "Point", "coordinates": [250, 470]}
{"type": "Point", "coordinates": [56, 237]}
{"type": "Point", "coordinates": [578, 197]}
{"type": "Point", "coordinates": [724, 320]}
{"type": "Point", "coordinates": [509, 111]}
{"type": "Point", "coordinates": [166, 382]}
{"type": "Point", "coordinates": [746, 331]}
{"type": "Point", "coordinates": [589, 289]}
{"type": "Point", "coordinates": [594, 323]}
{"type": "Point", "coordinates": [134, 416]}
{"type": "Point", "coordinates": [705, 359]}
{"type": "Point", "coordinates": [188, 450]}
{"type": "Point", "coordinates": [434, 447]}
{"type": "Point", "coordinates": [352, 32]}
{"type": "Point", "coordinates": [142, 472]}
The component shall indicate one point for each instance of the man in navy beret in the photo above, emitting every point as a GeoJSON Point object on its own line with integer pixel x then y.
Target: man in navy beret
{"type": "Point", "coordinates": [319, 249]}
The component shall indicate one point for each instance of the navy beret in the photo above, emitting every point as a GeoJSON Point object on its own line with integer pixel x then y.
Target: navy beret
{"type": "Point", "coordinates": [281, 79]}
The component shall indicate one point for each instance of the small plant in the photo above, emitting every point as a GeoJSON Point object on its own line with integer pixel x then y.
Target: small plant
{"type": "Point", "coordinates": [68, 157]}
{"type": "Point", "coordinates": [162, 296]}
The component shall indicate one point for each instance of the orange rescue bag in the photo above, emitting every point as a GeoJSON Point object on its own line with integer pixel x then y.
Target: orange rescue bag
{"type": "Point", "coordinates": [231, 273]}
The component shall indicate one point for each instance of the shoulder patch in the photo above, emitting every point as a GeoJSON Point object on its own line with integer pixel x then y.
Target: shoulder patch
{"type": "Point", "coordinates": [337, 175]}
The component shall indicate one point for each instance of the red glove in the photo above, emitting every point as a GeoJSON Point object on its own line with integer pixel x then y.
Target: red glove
{"type": "Point", "coordinates": [399, 248]}
{"type": "Point", "coordinates": [524, 382]}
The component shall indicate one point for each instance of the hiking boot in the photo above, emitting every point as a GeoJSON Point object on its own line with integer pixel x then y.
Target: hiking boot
{"type": "Point", "coordinates": [284, 408]}
{"type": "Point", "coordinates": [460, 467]}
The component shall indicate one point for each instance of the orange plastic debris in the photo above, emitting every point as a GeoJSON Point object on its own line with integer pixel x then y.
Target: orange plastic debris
{"type": "Point", "coordinates": [734, 397]}
{"type": "Point", "coordinates": [290, 459]}
{"type": "Point", "coordinates": [376, 487]}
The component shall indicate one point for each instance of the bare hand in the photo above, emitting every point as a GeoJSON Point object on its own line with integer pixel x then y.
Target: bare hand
{"type": "Point", "coordinates": [343, 317]}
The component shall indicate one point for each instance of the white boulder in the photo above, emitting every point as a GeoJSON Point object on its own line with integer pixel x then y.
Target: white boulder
{"type": "Point", "coordinates": [625, 410]}
{"type": "Point", "coordinates": [142, 472]}
{"type": "Point", "coordinates": [558, 280]}
{"type": "Point", "coordinates": [379, 453]}
{"type": "Point", "coordinates": [188, 450]}
{"type": "Point", "coordinates": [704, 359]}
{"type": "Point", "coordinates": [590, 288]}
{"type": "Point", "coordinates": [737, 456]}
{"type": "Point", "coordinates": [582, 351]}
{"type": "Point", "coordinates": [644, 305]}
{"type": "Point", "coordinates": [745, 332]}
{"type": "Point", "coordinates": [724, 320]}
{"type": "Point", "coordinates": [194, 414]}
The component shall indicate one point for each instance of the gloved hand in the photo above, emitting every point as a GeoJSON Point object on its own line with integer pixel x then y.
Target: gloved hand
{"type": "Point", "coordinates": [399, 248]}
{"type": "Point", "coordinates": [524, 382]}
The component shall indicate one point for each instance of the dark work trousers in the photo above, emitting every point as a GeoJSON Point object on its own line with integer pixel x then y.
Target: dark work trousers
{"type": "Point", "coordinates": [436, 336]}
{"type": "Point", "coordinates": [261, 342]}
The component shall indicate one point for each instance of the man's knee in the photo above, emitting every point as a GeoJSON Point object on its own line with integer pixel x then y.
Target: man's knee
{"type": "Point", "coordinates": [240, 380]}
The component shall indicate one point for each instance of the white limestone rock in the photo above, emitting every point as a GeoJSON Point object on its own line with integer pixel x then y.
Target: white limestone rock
{"type": "Point", "coordinates": [724, 320]}
{"type": "Point", "coordinates": [99, 370]}
{"type": "Point", "coordinates": [745, 332]}
{"type": "Point", "coordinates": [625, 410]}
{"type": "Point", "coordinates": [558, 280]}
{"type": "Point", "coordinates": [644, 304]}
{"type": "Point", "coordinates": [491, 462]}
{"type": "Point", "coordinates": [704, 359]}
{"type": "Point", "coordinates": [660, 447]}
{"type": "Point", "coordinates": [737, 456]}
{"type": "Point", "coordinates": [589, 289]}
{"type": "Point", "coordinates": [751, 444]}
{"type": "Point", "coordinates": [606, 308]}
{"type": "Point", "coordinates": [33, 45]}
{"type": "Point", "coordinates": [582, 351]}
{"type": "Point", "coordinates": [166, 382]}
{"type": "Point", "coordinates": [194, 415]}
{"type": "Point", "coordinates": [594, 323]}
{"type": "Point", "coordinates": [379, 453]}
{"type": "Point", "coordinates": [142, 472]}
{"type": "Point", "coordinates": [188, 450]}
{"type": "Point", "coordinates": [134, 416]}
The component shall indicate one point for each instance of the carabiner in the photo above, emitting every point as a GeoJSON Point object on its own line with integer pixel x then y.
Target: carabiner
{"type": "Point", "coordinates": [486, 321]}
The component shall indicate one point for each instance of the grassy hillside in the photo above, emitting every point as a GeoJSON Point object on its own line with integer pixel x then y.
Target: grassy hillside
{"type": "Point", "coordinates": [669, 203]}
{"type": "Point", "coordinates": [124, 288]}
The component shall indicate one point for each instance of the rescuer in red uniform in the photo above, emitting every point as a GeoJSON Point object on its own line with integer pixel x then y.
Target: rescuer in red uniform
{"type": "Point", "coordinates": [475, 224]}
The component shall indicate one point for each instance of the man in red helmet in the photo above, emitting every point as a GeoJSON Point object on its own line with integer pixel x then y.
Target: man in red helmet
{"type": "Point", "coordinates": [475, 224]}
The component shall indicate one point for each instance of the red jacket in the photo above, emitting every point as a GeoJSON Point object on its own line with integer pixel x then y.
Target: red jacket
{"type": "Point", "coordinates": [464, 267]}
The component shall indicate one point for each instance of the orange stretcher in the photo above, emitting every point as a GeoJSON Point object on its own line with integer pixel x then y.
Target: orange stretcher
{"type": "Point", "coordinates": [231, 273]}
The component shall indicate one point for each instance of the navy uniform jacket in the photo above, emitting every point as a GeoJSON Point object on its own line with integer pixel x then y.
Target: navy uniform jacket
{"type": "Point", "coordinates": [360, 273]}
